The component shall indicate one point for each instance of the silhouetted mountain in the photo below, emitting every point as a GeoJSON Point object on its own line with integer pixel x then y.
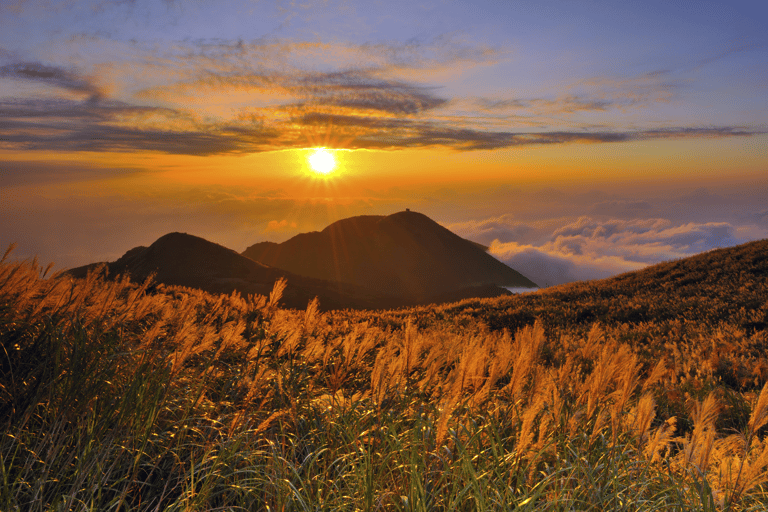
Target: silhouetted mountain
{"type": "Point", "coordinates": [406, 254]}
{"type": "Point", "coordinates": [186, 260]}
{"type": "Point", "coordinates": [369, 262]}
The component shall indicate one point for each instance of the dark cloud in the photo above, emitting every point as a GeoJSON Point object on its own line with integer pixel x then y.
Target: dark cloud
{"type": "Point", "coordinates": [387, 132]}
{"type": "Point", "coordinates": [72, 110]}
{"type": "Point", "coordinates": [360, 90]}
{"type": "Point", "coordinates": [67, 125]}
{"type": "Point", "coordinates": [354, 121]}
{"type": "Point", "coordinates": [363, 109]}
{"type": "Point", "coordinates": [504, 104]}
{"type": "Point", "coordinates": [117, 138]}
{"type": "Point", "coordinates": [567, 104]}
{"type": "Point", "coordinates": [52, 75]}
{"type": "Point", "coordinates": [63, 125]}
{"type": "Point", "coordinates": [698, 132]}
{"type": "Point", "coordinates": [378, 132]}
{"type": "Point", "coordinates": [578, 103]}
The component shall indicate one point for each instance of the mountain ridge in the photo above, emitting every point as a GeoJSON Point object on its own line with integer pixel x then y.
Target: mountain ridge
{"type": "Point", "coordinates": [404, 254]}
{"type": "Point", "coordinates": [182, 259]}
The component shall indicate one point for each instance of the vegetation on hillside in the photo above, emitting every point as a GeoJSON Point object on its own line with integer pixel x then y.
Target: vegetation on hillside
{"type": "Point", "coordinates": [613, 395]}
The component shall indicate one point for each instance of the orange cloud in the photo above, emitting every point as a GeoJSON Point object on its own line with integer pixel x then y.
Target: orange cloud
{"type": "Point", "coordinates": [234, 98]}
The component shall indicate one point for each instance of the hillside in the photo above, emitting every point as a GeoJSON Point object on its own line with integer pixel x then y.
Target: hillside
{"type": "Point", "coordinates": [724, 285]}
{"type": "Point", "coordinates": [405, 254]}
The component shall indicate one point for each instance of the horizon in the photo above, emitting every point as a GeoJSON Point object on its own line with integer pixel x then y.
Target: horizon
{"type": "Point", "coordinates": [573, 138]}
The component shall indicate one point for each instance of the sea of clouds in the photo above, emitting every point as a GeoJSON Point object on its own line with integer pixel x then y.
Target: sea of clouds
{"type": "Point", "coordinates": [590, 248]}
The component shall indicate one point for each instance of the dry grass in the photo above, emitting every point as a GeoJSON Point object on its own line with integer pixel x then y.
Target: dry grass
{"type": "Point", "coordinates": [112, 397]}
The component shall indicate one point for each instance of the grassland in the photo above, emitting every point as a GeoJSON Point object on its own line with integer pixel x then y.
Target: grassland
{"type": "Point", "coordinates": [643, 392]}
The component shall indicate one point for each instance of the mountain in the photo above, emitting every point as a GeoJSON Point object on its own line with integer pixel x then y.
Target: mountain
{"type": "Point", "coordinates": [405, 254]}
{"type": "Point", "coordinates": [368, 262]}
{"type": "Point", "coordinates": [187, 260]}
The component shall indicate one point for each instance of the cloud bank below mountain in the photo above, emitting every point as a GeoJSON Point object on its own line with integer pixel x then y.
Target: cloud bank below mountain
{"type": "Point", "coordinates": [592, 249]}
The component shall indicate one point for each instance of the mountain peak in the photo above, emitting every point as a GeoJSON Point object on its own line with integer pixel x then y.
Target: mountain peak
{"type": "Point", "coordinates": [405, 254]}
{"type": "Point", "coordinates": [182, 256]}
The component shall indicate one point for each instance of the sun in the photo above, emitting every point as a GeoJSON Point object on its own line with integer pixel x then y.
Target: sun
{"type": "Point", "coordinates": [322, 161]}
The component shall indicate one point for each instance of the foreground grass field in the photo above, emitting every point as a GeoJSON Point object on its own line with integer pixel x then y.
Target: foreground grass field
{"type": "Point", "coordinates": [644, 392]}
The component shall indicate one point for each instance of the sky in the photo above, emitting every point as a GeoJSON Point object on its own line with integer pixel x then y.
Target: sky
{"type": "Point", "coordinates": [577, 139]}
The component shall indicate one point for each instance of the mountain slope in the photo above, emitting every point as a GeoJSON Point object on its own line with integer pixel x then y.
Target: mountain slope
{"type": "Point", "coordinates": [187, 260]}
{"type": "Point", "coordinates": [405, 254]}
{"type": "Point", "coordinates": [723, 285]}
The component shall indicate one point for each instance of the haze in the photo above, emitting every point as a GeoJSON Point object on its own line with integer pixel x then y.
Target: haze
{"type": "Point", "coordinates": [577, 139]}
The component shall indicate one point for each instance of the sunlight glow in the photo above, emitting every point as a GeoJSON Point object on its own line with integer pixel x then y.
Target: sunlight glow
{"type": "Point", "coordinates": [322, 161]}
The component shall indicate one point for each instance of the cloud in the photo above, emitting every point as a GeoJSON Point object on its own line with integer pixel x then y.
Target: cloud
{"type": "Point", "coordinates": [642, 240]}
{"type": "Point", "coordinates": [592, 249]}
{"type": "Point", "coordinates": [597, 94]}
{"type": "Point", "coordinates": [30, 110]}
{"type": "Point", "coordinates": [629, 92]}
{"type": "Point", "coordinates": [606, 93]}
{"type": "Point", "coordinates": [51, 75]}
{"type": "Point", "coordinates": [63, 125]}
{"type": "Point", "coordinates": [503, 228]}
{"type": "Point", "coordinates": [220, 96]}
{"type": "Point", "coordinates": [345, 91]}
{"type": "Point", "coordinates": [393, 133]}
{"type": "Point", "coordinates": [109, 125]}
{"type": "Point", "coordinates": [547, 268]}
{"type": "Point", "coordinates": [359, 90]}
{"type": "Point", "coordinates": [564, 104]}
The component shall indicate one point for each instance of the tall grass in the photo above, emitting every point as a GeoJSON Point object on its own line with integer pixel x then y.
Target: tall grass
{"type": "Point", "coordinates": [113, 397]}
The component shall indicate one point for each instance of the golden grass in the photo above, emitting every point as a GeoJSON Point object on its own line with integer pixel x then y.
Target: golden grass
{"type": "Point", "coordinates": [425, 403]}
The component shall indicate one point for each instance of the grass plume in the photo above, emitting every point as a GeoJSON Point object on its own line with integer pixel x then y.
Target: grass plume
{"type": "Point", "coordinates": [117, 395]}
